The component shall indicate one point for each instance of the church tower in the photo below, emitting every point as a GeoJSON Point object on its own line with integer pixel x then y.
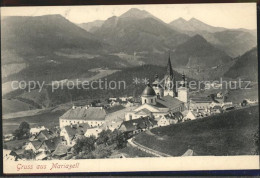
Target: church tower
{"type": "Point", "coordinates": [169, 81]}
{"type": "Point", "coordinates": [183, 90]}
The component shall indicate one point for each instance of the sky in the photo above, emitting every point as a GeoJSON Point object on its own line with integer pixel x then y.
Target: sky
{"type": "Point", "coordinates": [228, 15]}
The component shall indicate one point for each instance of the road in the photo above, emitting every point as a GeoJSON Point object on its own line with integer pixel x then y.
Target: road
{"type": "Point", "coordinates": [146, 149]}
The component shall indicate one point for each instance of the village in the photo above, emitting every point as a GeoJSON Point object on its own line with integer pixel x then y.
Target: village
{"type": "Point", "coordinates": [161, 104]}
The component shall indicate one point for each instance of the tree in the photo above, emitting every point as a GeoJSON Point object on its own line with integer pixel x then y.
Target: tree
{"type": "Point", "coordinates": [104, 136]}
{"type": "Point", "coordinates": [119, 138]}
{"type": "Point", "coordinates": [23, 130]}
{"type": "Point", "coordinates": [85, 145]}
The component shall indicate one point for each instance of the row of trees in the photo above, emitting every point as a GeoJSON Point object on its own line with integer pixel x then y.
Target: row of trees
{"type": "Point", "coordinates": [101, 147]}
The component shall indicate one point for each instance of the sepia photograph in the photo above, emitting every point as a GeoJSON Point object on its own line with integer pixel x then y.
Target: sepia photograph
{"type": "Point", "coordinates": [158, 87]}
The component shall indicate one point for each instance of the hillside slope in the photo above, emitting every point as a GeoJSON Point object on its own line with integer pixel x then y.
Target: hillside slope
{"type": "Point", "coordinates": [231, 133]}
{"type": "Point", "coordinates": [198, 52]}
{"type": "Point", "coordinates": [246, 67]}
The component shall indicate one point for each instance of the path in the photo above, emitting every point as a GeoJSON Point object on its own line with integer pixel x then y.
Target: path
{"type": "Point", "coordinates": [146, 149]}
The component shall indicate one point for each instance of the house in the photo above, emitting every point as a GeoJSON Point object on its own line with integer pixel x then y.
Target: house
{"type": "Point", "coordinates": [171, 118]}
{"type": "Point", "coordinates": [72, 132]}
{"type": "Point", "coordinates": [50, 145]}
{"type": "Point", "coordinates": [138, 125]}
{"type": "Point", "coordinates": [34, 145]}
{"type": "Point", "coordinates": [93, 132]}
{"type": "Point", "coordinates": [93, 116]}
{"type": "Point", "coordinates": [200, 103]}
{"type": "Point", "coordinates": [8, 137]}
{"type": "Point", "coordinates": [61, 150]}
{"type": "Point", "coordinates": [217, 109]}
{"type": "Point", "coordinates": [42, 155]}
{"type": "Point", "coordinates": [44, 135]}
{"type": "Point", "coordinates": [191, 115]}
{"type": "Point", "coordinates": [9, 155]}
{"type": "Point", "coordinates": [36, 130]}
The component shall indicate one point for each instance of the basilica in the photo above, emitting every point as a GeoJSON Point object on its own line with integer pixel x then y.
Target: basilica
{"type": "Point", "coordinates": [162, 97]}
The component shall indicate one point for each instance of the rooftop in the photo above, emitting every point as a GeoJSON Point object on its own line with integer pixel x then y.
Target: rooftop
{"type": "Point", "coordinates": [168, 102]}
{"type": "Point", "coordinates": [85, 113]}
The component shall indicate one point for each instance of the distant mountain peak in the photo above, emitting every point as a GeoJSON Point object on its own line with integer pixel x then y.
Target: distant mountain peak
{"type": "Point", "coordinates": [136, 13]}
{"type": "Point", "coordinates": [180, 19]}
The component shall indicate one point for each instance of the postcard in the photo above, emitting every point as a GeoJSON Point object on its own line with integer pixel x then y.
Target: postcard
{"type": "Point", "coordinates": [122, 88]}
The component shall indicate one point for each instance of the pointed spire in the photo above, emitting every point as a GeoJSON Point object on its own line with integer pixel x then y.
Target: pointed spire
{"type": "Point", "coordinates": [169, 70]}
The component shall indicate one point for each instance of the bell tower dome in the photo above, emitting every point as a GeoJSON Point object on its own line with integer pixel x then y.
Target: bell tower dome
{"type": "Point", "coordinates": [149, 95]}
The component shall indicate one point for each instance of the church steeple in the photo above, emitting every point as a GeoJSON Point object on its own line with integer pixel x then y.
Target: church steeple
{"type": "Point", "coordinates": [169, 70]}
{"type": "Point", "coordinates": [169, 81]}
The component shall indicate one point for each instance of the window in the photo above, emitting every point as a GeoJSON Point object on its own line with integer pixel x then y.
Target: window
{"type": "Point", "coordinates": [151, 100]}
{"type": "Point", "coordinates": [145, 101]}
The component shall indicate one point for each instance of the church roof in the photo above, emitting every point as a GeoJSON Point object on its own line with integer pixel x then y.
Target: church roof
{"type": "Point", "coordinates": [85, 113]}
{"type": "Point", "coordinates": [148, 91]}
{"type": "Point", "coordinates": [169, 70]}
{"type": "Point", "coordinates": [169, 102]}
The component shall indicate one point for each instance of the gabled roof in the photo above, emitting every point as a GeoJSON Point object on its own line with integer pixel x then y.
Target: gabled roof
{"type": "Point", "coordinates": [143, 111]}
{"type": "Point", "coordinates": [85, 113]}
{"type": "Point", "coordinates": [51, 144]}
{"type": "Point", "coordinates": [61, 150]}
{"type": "Point", "coordinates": [140, 123]}
{"type": "Point", "coordinates": [169, 102]}
{"type": "Point", "coordinates": [201, 100]}
{"type": "Point", "coordinates": [75, 129]}
{"type": "Point", "coordinates": [45, 133]}
{"type": "Point", "coordinates": [36, 144]}
{"type": "Point", "coordinates": [175, 115]}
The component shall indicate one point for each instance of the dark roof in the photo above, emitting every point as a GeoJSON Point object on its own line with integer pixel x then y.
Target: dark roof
{"type": "Point", "coordinates": [51, 144]}
{"type": "Point", "coordinates": [201, 99]}
{"type": "Point", "coordinates": [169, 70]}
{"type": "Point", "coordinates": [85, 113]}
{"type": "Point", "coordinates": [75, 129]}
{"type": "Point", "coordinates": [36, 144]}
{"type": "Point", "coordinates": [148, 91]}
{"type": "Point", "coordinates": [61, 150]}
{"type": "Point", "coordinates": [140, 123]}
{"type": "Point", "coordinates": [169, 102]}
{"type": "Point", "coordinates": [175, 115]}
{"type": "Point", "coordinates": [45, 133]}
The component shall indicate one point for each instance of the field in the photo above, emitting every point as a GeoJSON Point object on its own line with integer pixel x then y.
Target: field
{"type": "Point", "coordinates": [48, 119]}
{"type": "Point", "coordinates": [231, 133]}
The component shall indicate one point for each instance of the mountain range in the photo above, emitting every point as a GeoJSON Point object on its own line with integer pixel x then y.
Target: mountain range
{"type": "Point", "coordinates": [50, 48]}
{"type": "Point", "coordinates": [46, 47]}
{"type": "Point", "coordinates": [234, 42]}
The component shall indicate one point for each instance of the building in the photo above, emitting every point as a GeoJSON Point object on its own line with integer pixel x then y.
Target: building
{"type": "Point", "coordinates": [71, 133]}
{"type": "Point", "coordinates": [34, 146]}
{"type": "Point", "coordinates": [93, 116]}
{"type": "Point", "coordinates": [158, 100]}
{"type": "Point", "coordinates": [36, 130]}
{"type": "Point", "coordinates": [200, 103]}
{"type": "Point", "coordinates": [50, 145]}
{"type": "Point", "coordinates": [93, 132]}
{"type": "Point", "coordinates": [168, 119]}
{"type": "Point", "coordinates": [138, 125]}
{"type": "Point", "coordinates": [61, 151]}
